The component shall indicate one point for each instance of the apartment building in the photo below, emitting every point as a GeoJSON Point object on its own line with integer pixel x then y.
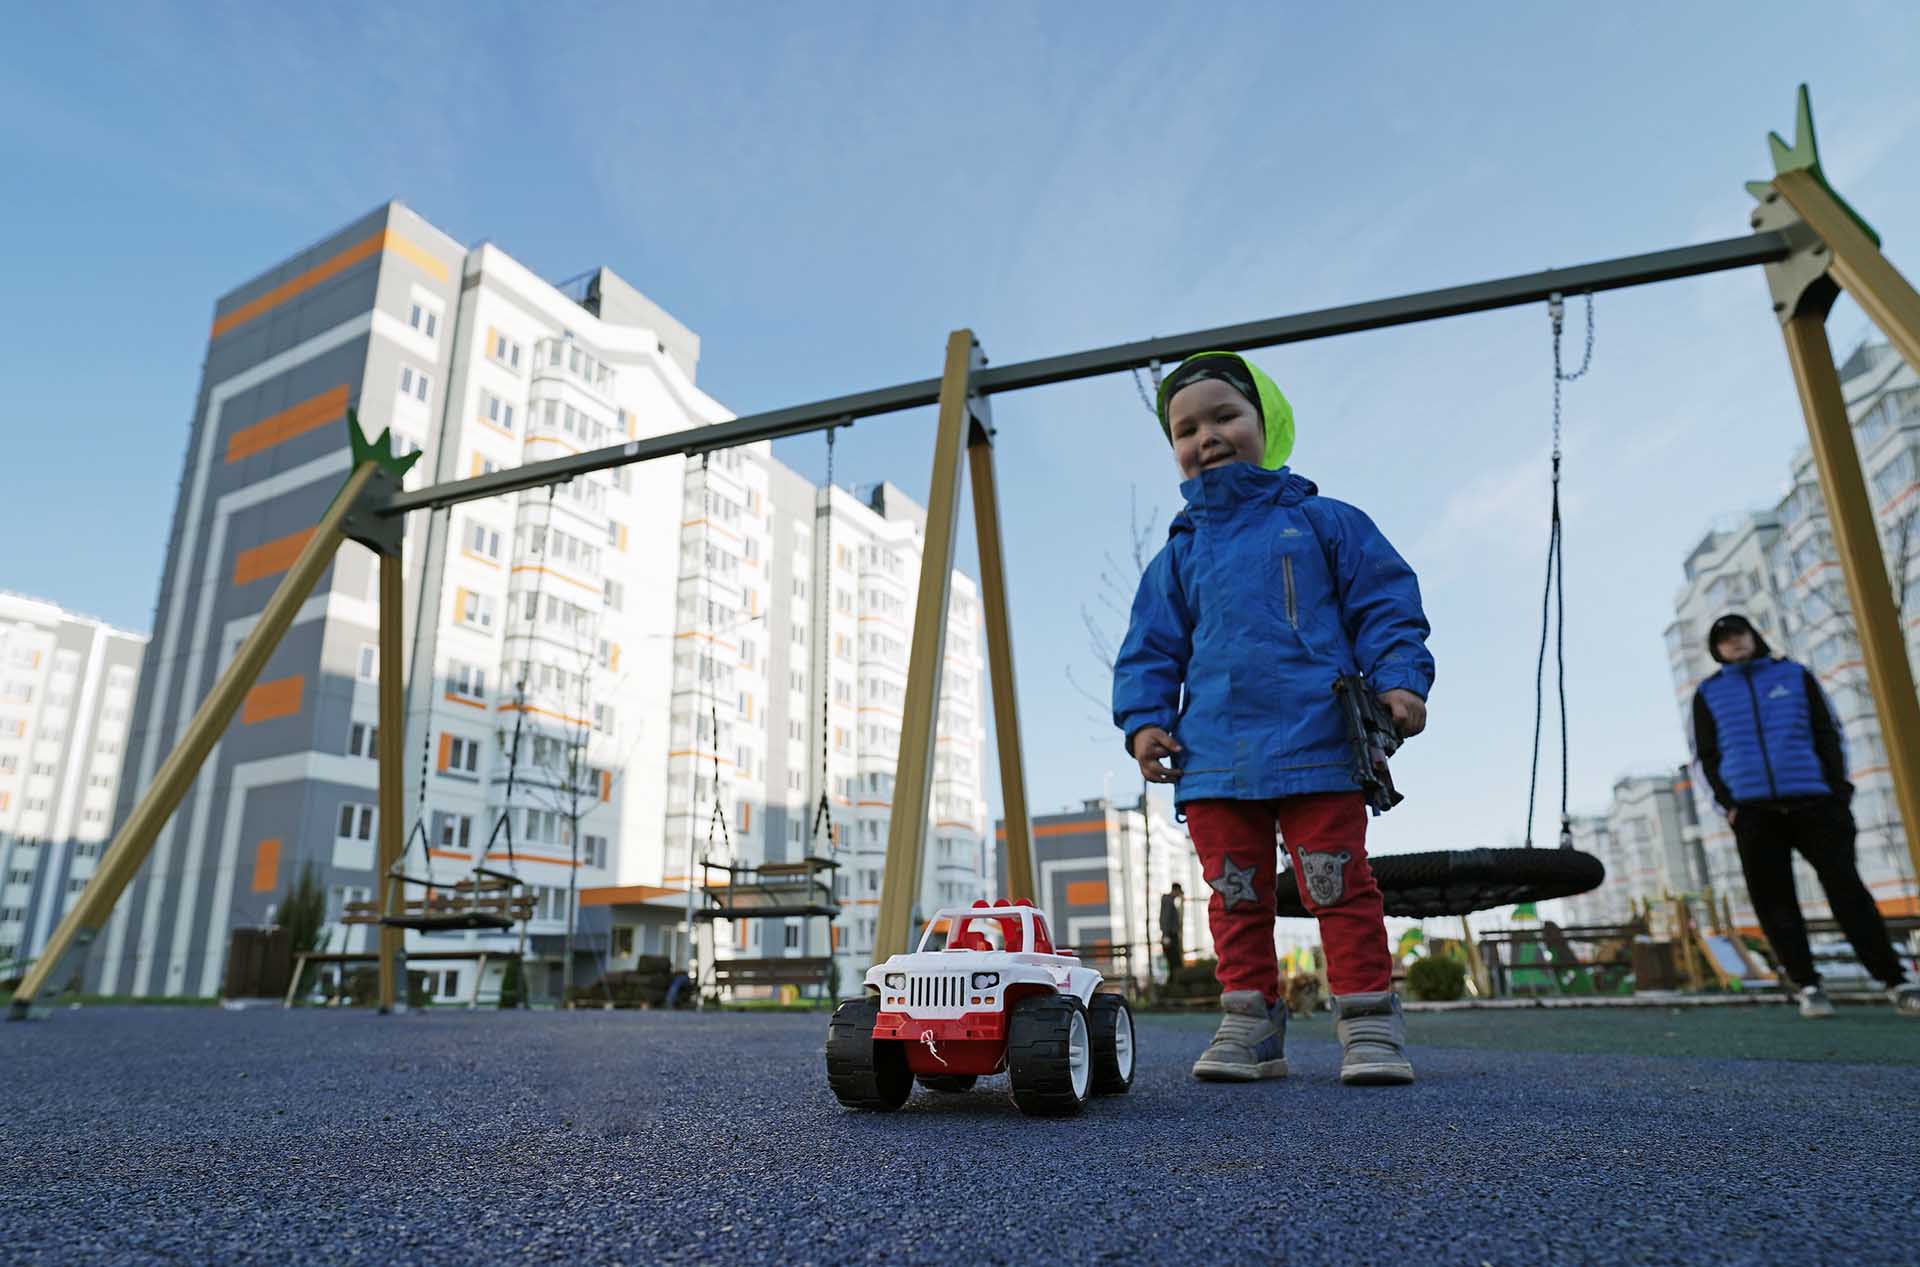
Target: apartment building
{"type": "Point", "coordinates": [526, 615]}
{"type": "Point", "coordinates": [560, 641]}
{"type": "Point", "coordinates": [1650, 841]}
{"type": "Point", "coordinates": [796, 606]}
{"type": "Point", "coordinates": [66, 694]}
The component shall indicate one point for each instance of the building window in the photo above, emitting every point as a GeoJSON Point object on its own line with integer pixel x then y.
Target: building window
{"type": "Point", "coordinates": [466, 680]}
{"type": "Point", "coordinates": [793, 935]}
{"type": "Point", "coordinates": [593, 851]}
{"type": "Point", "coordinates": [356, 822]}
{"type": "Point", "coordinates": [363, 740]}
{"type": "Point", "coordinates": [496, 411]}
{"type": "Point", "coordinates": [463, 755]}
{"type": "Point", "coordinates": [424, 319]}
{"type": "Point", "coordinates": [615, 595]}
{"type": "Point", "coordinates": [367, 667]}
{"type": "Point", "coordinates": [476, 610]}
{"type": "Point", "coordinates": [456, 831]}
{"type": "Point", "coordinates": [413, 383]}
{"type": "Point", "coordinates": [484, 541]}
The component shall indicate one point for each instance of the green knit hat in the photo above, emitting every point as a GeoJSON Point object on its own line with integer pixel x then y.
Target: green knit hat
{"type": "Point", "coordinates": [1276, 415]}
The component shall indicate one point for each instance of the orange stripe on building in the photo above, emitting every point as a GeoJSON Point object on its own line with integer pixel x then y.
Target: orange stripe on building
{"type": "Point", "coordinates": [616, 895]}
{"type": "Point", "coordinates": [333, 266]}
{"type": "Point", "coordinates": [270, 559]}
{"type": "Point", "coordinates": [450, 853]}
{"type": "Point", "coordinates": [446, 750]}
{"type": "Point", "coordinates": [461, 699]}
{"type": "Point", "coordinates": [1087, 893]}
{"type": "Point", "coordinates": [585, 585]}
{"type": "Point", "coordinates": [1073, 828]}
{"type": "Point", "coordinates": [606, 785]}
{"type": "Point", "coordinates": [296, 420]}
{"type": "Point", "coordinates": [544, 712]}
{"type": "Point", "coordinates": [271, 700]}
{"type": "Point", "coordinates": [266, 866]}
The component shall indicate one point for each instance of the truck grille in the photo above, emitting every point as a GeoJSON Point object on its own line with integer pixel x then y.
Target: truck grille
{"type": "Point", "coordinates": [947, 990]}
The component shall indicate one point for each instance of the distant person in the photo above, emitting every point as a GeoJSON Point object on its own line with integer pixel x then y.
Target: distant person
{"type": "Point", "coordinates": [1771, 749]}
{"type": "Point", "coordinates": [1173, 927]}
{"type": "Point", "coordinates": [1263, 595]}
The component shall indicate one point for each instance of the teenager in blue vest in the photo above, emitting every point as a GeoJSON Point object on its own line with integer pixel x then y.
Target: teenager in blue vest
{"type": "Point", "coordinates": [1772, 752]}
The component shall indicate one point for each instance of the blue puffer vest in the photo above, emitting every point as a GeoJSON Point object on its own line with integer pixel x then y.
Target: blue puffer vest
{"type": "Point", "coordinates": [1760, 710]}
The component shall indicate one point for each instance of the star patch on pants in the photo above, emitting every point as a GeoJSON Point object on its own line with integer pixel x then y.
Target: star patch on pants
{"type": "Point", "coordinates": [1234, 884]}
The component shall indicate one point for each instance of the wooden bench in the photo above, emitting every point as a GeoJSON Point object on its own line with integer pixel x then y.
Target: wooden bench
{"type": "Point", "coordinates": [734, 973]}
{"type": "Point", "coordinates": [343, 958]}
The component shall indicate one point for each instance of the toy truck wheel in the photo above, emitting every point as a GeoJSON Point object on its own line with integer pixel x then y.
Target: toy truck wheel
{"type": "Point", "coordinates": [953, 1083]}
{"type": "Point", "coordinates": [1111, 1023]}
{"type": "Point", "coordinates": [865, 1074]}
{"type": "Point", "coordinates": [1050, 1055]}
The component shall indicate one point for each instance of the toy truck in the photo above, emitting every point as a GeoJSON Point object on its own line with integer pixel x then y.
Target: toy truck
{"type": "Point", "coordinates": [997, 997]}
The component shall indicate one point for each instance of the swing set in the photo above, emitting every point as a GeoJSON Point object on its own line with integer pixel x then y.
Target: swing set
{"type": "Point", "coordinates": [1808, 241]}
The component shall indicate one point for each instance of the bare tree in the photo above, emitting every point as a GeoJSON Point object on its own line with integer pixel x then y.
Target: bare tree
{"type": "Point", "coordinates": [1111, 606]}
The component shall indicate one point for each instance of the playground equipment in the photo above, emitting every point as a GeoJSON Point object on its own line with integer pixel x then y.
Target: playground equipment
{"type": "Point", "coordinates": [1806, 238]}
{"type": "Point", "coordinates": [998, 996]}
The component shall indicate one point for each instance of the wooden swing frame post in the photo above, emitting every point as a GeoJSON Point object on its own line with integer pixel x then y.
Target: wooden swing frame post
{"type": "Point", "coordinates": [67, 948]}
{"type": "Point", "coordinates": [1836, 252]}
{"type": "Point", "coordinates": [963, 425]}
{"type": "Point", "coordinates": [392, 840]}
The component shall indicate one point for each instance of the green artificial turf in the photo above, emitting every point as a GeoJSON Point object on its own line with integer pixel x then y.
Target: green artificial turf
{"type": "Point", "coordinates": [1860, 1034]}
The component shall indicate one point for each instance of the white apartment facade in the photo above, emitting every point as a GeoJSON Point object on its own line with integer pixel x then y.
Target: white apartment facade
{"type": "Point", "coordinates": [67, 684]}
{"type": "Point", "coordinates": [796, 609]}
{"type": "Point", "coordinates": [468, 357]}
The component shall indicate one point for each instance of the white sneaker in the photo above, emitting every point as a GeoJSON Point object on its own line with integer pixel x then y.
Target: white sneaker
{"type": "Point", "coordinates": [1905, 998]}
{"type": "Point", "coordinates": [1814, 1003]}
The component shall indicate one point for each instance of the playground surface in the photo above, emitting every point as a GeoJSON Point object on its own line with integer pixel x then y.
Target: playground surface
{"type": "Point", "coordinates": [1724, 1135]}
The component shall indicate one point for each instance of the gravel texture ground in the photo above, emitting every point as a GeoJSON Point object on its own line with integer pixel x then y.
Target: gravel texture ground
{"type": "Point", "coordinates": [193, 1135]}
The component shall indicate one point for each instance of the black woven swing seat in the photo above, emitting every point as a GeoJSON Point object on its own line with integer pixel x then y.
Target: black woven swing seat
{"type": "Point", "coordinates": [1461, 881]}
{"type": "Point", "coordinates": [451, 922]}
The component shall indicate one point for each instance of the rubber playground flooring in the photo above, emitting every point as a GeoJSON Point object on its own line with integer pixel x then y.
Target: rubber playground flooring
{"type": "Point", "coordinates": [140, 1135]}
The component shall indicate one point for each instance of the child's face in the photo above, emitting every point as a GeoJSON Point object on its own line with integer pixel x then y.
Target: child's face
{"type": "Point", "coordinates": [1213, 425]}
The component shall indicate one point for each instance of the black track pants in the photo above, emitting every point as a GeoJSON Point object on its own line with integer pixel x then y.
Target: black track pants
{"type": "Point", "coordinates": [1823, 834]}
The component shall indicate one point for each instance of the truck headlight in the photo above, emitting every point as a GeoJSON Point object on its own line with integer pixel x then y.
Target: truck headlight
{"type": "Point", "coordinates": [985, 980]}
{"type": "Point", "coordinates": [895, 980]}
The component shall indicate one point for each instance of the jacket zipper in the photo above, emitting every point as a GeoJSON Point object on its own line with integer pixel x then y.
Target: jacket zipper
{"type": "Point", "coordinates": [1293, 611]}
{"type": "Point", "coordinates": [1760, 735]}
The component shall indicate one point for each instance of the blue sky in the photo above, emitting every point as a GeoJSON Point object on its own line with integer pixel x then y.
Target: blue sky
{"type": "Point", "coordinates": [822, 193]}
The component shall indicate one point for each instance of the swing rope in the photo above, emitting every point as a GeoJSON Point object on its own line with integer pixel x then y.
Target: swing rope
{"type": "Point", "coordinates": [1553, 606]}
{"type": "Point", "coordinates": [504, 823]}
{"type": "Point", "coordinates": [823, 812]}
{"type": "Point", "coordinates": [719, 816]}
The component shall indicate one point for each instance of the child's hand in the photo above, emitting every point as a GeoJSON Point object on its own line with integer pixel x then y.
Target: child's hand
{"type": "Point", "coordinates": [1409, 711]}
{"type": "Point", "coordinates": [1149, 746]}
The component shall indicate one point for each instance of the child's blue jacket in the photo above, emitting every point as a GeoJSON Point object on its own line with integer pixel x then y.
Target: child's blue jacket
{"type": "Point", "coordinates": [1263, 594]}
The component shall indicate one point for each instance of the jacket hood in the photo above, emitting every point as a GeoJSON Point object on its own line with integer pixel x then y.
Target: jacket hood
{"type": "Point", "coordinates": [1241, 483]}
{"type": "Point", "coordinates": [1731, 623]}
{"type": "Point", "coordinates": [1276, 414]}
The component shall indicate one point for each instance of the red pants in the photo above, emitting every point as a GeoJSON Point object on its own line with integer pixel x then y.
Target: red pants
{"type": "Point", "coordinates": [1326, 836]}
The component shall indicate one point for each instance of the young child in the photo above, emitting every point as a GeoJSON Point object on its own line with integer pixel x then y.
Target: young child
{"type": "Point", "coordinates": [1263, 594]}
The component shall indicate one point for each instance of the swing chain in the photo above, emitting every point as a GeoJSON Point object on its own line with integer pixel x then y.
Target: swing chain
{"type": "Point", "coordinates": [1553, 606]}
{"type": "Point", "coordinates": [1153, 369]}
{"type": "Point", "coordinates": [719, 816]}
{"type": "Point", "coordinates": [823, 811]}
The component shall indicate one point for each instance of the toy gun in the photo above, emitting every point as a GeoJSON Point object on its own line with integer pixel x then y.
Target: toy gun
{"type": "Point", "coordinates": [1372, 738]}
